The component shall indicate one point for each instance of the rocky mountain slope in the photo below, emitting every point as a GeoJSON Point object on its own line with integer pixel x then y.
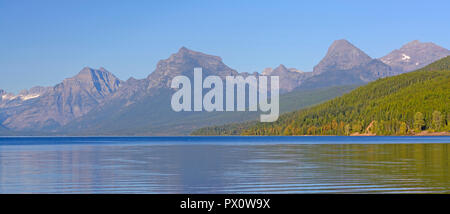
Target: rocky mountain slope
{"type": "Point", "coordinates": [341, 55]}
{"type": "Point", "coordinates": [96, 102]}
{"type": "Point", "coordinates": [414, 55]}
{"type": "Point", "coordinates": [47, 108]}
{"type": "Point", "coordinates": [388, 106]}
{"type": "Point", "coordinates": [289, 78]}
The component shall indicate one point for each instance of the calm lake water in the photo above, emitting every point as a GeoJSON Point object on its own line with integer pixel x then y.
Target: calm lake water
{"type": "Point", "coordinates": [225, 165]}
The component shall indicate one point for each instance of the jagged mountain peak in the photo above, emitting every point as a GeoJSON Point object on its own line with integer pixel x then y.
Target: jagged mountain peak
{"type": "Point", "coordinates": [281, 67]}
{"type": "Point", "coordinates": [183, 49]}
{"type": "Point", "coordinates": [413, 43]}
{"type": "Point", "coordinates": [87, 73]}
{"type": "Point", "coordinates": [50, 107]}
{"type": "Point", "coordinates": [289, 78]}
{"type": "Point", "coordinates": [185, 53]}
{"type": "Point", "coordinates": [344, 46]}
{"type": "Point", "coordinates": [100, 79]}
{"type": "Point", "coordinates": [341, 43]}
{"type": "Point", "coordinates": [417, 43]}
{"type": "Point", "coordinates": [419, 46]}
{"type": "Point", "coordinates": [341, 55]}
{"type": "Point", "coordinates": [183, 63]}
{"type": "Point", "coordinates": [414, 55]}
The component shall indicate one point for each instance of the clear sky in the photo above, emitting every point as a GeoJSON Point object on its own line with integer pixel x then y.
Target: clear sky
{"type": "Point", "coordinates": [42, 42]}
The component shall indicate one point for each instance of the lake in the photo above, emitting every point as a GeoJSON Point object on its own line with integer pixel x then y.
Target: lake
{"type": "Point", "coordinates": [322, 164]}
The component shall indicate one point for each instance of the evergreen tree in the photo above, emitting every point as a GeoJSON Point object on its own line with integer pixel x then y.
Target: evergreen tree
{"type": "Point", "coordinates": [416, 101]}
{"type": "Point", "coordinates": [347, 129]}
{"type": "Point", "coordinates": [403, 129]}
{"type": "Point", "coordinates": [437, 120]}
{"type": "Point", "coordinates": [419, 121]}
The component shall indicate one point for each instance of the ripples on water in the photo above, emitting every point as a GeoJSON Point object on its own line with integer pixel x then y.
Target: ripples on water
{"type": "Point", "coordinates": [225, 165]}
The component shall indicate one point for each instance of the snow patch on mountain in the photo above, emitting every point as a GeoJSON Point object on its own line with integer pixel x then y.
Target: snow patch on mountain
{"type": "Point", "coordinates": [29, 96]}
{"type": "Point", "coordinates": [405, 57]}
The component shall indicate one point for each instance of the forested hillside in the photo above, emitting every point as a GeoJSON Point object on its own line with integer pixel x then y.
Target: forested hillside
{"type": "Point", "coordinates": [404, 104]}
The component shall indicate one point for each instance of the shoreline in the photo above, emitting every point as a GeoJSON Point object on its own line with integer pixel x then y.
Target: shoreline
{"type": "Point", "coordinates": [421, 134]}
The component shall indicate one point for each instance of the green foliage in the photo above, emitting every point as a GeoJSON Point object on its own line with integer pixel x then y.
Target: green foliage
{"type": "Point", "coordinates": [389, 106]}
{"type": "Point", "coordinates": [419, 121]}
{"type": "Point", "coordinates": [403, 129]}
{"type": "Point", "coordinates": [437, 120]}
{"type": "Point", "coordinates": [288, 102]}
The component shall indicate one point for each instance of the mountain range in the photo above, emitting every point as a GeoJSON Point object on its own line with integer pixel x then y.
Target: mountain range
{"type": "Point", "coordinates": [95, 102]}
{"type": "Point", "coordinates": [407, 104]}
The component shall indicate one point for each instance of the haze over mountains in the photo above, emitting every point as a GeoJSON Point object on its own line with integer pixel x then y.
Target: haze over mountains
{"type": "Point", "coordinates": [95, 102]}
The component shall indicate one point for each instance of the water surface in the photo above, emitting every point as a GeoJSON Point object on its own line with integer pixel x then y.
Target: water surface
{"type": "Point", "coordinates": [225, 165]}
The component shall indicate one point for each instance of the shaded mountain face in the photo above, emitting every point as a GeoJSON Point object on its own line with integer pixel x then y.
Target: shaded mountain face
{"type": "Point", "coordinates": [98, 83]}
{"type": "Point", "coordinates": [341, 55]}
{"type": "Point", "coordinates": [388, 103]}
{"type": "Point", "coordinates": [373, 70]}
{"type": "Point", "coordinates": [142, 106]}
{"type": "Point", "coordinates": [414, 55]}
{"type": "Point", "coordinates": [47, 108]}
{"type": "Point", "coordinates": [344, 64]}
{"type": "Point", "coordinates": [95, 102]}
{"type": "Point", "coordinates": [134, 111]}
{"type": "Point", "coordinates": [358, 75]}
{"type": "Point", "coordinates": [183, 63]}
{"type": "Point", "coordinates": [289, 78]}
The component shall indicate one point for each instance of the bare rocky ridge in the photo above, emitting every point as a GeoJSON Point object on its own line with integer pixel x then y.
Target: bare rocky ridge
{"type": "Point", "coordinates": [183, 63]}
{"type": "Point", "coordinates": [373, 70]}
{"type": "Point", "coordinates": [414, 55]}
{"type": "Point", "coordinates": [289, 78]}
{"type": "Point", "coordinates": [341, 55]}
{"type": "Point", "coordinates": [149, 104]}
{"type": "Point", "coordinates": [345, 64]}
{"type": "Point", "coordinates": [50, 107]}
{"type": "Point", "coordinates": [96, 101]}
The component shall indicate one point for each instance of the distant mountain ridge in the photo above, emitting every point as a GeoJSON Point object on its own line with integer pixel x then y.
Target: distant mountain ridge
{"type": "Point", "coordinates": [290, 78]}
{"type": "Point", "coordinates": [414, 55]}
{"type": "Point", "coordinates": [148, 109]}
{"type": "Point", "coordinates": [96, 100]}
{"type": "Point", "coordinates": [341, 55]}
{"type": "Point", "coordinates": [50, 107]}
{"type": "Point", "coordinates": [344, 63]}
{"type": "Point", "coordinates": [404, 104]}
{"type": "Point", "coordinates": [182, 63]}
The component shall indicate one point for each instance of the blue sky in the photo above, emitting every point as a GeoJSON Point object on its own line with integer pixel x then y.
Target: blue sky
{"type": "Point", "coordinates": [43, 42]}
